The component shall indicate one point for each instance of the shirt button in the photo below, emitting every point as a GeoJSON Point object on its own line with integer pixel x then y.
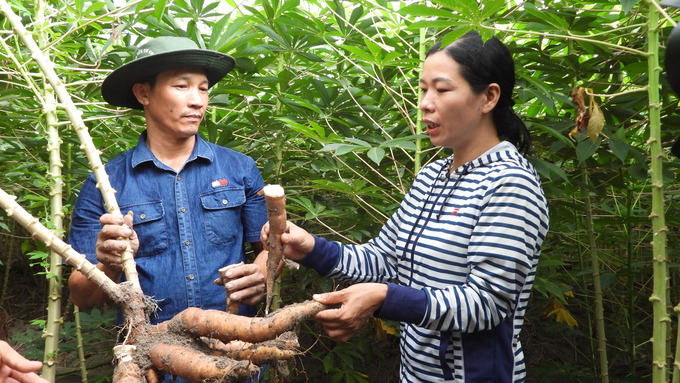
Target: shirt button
{"type": "Point", "coordinates": [224, 202]}
{"type": "Point", "coordinates": [142, 216]}
{"type": "Point", "coordinates": [191, 276]}
{"type": "Point", "coordinates": [187, 243]}
{"type": "Point", "coordinates": [179, 178]}
{"type": "Point", "coordinates": [184, 210]}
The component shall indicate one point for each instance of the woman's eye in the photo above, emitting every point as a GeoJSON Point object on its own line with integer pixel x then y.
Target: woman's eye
{"type": "Point", "coordinates": [442, 90]}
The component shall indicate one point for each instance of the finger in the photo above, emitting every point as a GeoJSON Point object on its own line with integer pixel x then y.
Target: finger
{"type": "Point", "coordinates": [329, 298]}
{"type": "Point", "coordinates": [328, 316]}
{"type": "Point", "coordinates": [241, 271]}
{"type": "Point", "coordinates": [129, 219]}
{"type": "Point", "coordinates": [110, 219]}
{"type": "Point", "coordinates": [264, 233]}
{"type": "Point", "coordinates": [115, 231]}
{"type": "Point", "coordinates": [247, 295]}
{"type": "Point", "coordinates": [339, 335]}
{"type": "Point", "coordinates": [16, 361]}
{"type": "Point", "coordinates": [22, 377]}
{"type": "Point", "coordinates": [244, 283]}
{"type": "Point", "coordinates": [112, 246]}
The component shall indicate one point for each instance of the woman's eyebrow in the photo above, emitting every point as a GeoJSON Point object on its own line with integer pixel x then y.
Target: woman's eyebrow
{"type": "Point", "coordinates": [437, 79]}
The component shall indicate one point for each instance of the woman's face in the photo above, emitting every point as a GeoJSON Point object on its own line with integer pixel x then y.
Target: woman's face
{"type": "Point", "coordinates": [455, 116]}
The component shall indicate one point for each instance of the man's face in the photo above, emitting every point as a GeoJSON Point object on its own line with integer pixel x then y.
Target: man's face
{"type": "Point", "coordinates": [176, 104]}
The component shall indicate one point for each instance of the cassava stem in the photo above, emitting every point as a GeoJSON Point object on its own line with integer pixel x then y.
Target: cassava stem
{"type": "Point", "coordinates": [227, 327]}
{"type": "Point", "coordinates": [71, 256]}
{"type": "Point", "coordinates": [275, 198]}
{"type": "Point", "coordinates": [103, 184]}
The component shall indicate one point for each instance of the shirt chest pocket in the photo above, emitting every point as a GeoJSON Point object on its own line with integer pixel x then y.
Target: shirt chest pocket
{"type": "Point", "coordinates": [149, 224]}
{"type": "Point", "coordinates": [222, 210]}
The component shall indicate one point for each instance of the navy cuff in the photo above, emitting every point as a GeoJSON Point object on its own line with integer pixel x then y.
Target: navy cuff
{"type": "Point", "coordinates": [403, 304]}
{"type": "Point", "coordinates": [323, 257]}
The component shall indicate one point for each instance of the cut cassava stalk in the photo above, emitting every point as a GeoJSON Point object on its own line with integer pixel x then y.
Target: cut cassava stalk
{"type": "Point", "coordinates": [126, 371]}
{"type": "Point", "coordinates": [196, 367]}
{"type": "Point", "coordinates": [103, 184]}
{"type": "Point", "coordinates": [275, 198]}
{"type": "Point", "coordinates": [72, 257]}
{"type": "Point", "coordinates": [227, 327]}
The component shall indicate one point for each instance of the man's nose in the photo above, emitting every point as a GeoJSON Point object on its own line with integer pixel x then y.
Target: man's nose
{"type": "Point", "coordinates": [197, 98]}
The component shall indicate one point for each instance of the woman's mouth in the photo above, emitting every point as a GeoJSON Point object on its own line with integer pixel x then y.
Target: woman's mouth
{"type": "Point", "coordinates": [432, 127]}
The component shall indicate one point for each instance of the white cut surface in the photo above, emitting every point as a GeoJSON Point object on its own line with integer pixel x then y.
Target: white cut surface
{"type": "Point", "coordinates": [273, 191]}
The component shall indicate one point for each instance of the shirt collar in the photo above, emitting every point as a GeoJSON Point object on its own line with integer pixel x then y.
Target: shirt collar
{"type": "Point", "coordinates": [142, 153]}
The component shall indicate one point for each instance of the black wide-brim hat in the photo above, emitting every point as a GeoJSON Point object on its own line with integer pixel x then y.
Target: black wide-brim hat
{"type": "Point", "coordinates": [159, 55]}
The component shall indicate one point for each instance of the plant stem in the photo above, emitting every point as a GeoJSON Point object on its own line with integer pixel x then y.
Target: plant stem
{"type": "Point", "coordinates": [79, 341]}
{"type": "Point", "coordinates": [103, 184]}
{"type": "Point", "coordinates": [419, 123]}
{"type": "Point", "coordinates": [54, 319]}
{"type": "Point", "coordinates": [628, 227]}
{"type": "Point", "coordinates": [597, 285]}
{"type": "Point", "coordinates": [658, 298]}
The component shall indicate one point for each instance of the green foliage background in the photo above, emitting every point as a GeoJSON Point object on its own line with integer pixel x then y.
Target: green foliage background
{"type": "Point", "coordinates": [324, 98]}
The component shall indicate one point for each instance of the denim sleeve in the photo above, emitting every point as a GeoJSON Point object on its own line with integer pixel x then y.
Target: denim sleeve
{"type": "Point", "coordinates": [254, 210]}
{"type": "Point", "coordinates": [85, 223]}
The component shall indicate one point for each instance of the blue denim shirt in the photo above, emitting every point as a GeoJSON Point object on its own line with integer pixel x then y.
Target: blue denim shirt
{"type": "Point", "coordinates": [189, 224]}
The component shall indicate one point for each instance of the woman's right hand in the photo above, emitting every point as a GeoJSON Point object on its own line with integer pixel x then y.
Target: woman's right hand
{"type": "Point", "coordinates": [297, 242]}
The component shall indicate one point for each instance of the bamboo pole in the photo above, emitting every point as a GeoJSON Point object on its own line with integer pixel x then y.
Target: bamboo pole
{"type": "Point", "coordinates": [658, 297]}
{"type": "Point", "coordinates": [74, 115]}
{"type": "Point", "coordinates": [595, 264]}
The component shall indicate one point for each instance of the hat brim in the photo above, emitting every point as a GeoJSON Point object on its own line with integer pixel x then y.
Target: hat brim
{"type": "Point", "coordinates": [117, 87]}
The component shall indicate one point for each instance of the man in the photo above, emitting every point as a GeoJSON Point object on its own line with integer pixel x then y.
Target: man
{"type": "Point", "coordinates": [193, 203]}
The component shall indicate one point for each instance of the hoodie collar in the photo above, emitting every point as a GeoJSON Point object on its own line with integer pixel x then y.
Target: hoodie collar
{"type": "Point", "coordinates": [501, 151]}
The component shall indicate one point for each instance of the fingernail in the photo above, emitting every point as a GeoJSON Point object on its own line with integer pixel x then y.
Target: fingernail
{"type": "Point", "coordinates": [316, 296]}
{"type": "Point", "coordinates": [228, 274]}
{"type": "Point", "coordinates": [230, 286]}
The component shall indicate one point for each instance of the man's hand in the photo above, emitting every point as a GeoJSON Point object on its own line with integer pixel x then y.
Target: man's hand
{"type": "Point", "coordinates": [14, 368]}
{"type": "Point", "coordinates": [246, 284]}
{"type": "Point", "coordinates": [109, 247]}
{"type": "Point", "coordinates": [358, 303]}
{"type": "Point", "coordinates": [297, 242]}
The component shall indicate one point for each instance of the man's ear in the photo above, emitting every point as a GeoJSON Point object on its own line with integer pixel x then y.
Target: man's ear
{"type": "Point", "coordinates": [492, 94]}
{"type": "Point", "coordinates": [141, 91]}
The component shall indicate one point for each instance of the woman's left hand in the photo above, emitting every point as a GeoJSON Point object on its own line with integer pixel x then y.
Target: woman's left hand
{"type": "Point", "coordinates": [358, 303]}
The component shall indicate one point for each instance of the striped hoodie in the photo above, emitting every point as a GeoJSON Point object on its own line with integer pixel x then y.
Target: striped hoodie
{"type": "Point", "coordinates": [459, 258]}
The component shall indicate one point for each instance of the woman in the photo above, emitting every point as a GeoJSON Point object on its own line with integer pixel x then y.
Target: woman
{"type": "Point", "coordinates": [465, 241]}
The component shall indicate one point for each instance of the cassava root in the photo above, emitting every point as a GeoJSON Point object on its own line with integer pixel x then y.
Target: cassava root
{"type": "Point", "coordinates": [227, 327]}
{"type": "Point", "coordinates": [275, 199]}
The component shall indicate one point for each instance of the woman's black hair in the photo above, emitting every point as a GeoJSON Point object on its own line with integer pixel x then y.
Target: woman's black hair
{"type": "Point", "coordinates": [483, 63]}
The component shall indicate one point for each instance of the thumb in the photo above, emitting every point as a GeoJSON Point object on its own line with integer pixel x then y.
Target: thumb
{"type": "Point", "coordinates": [328, 298]}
